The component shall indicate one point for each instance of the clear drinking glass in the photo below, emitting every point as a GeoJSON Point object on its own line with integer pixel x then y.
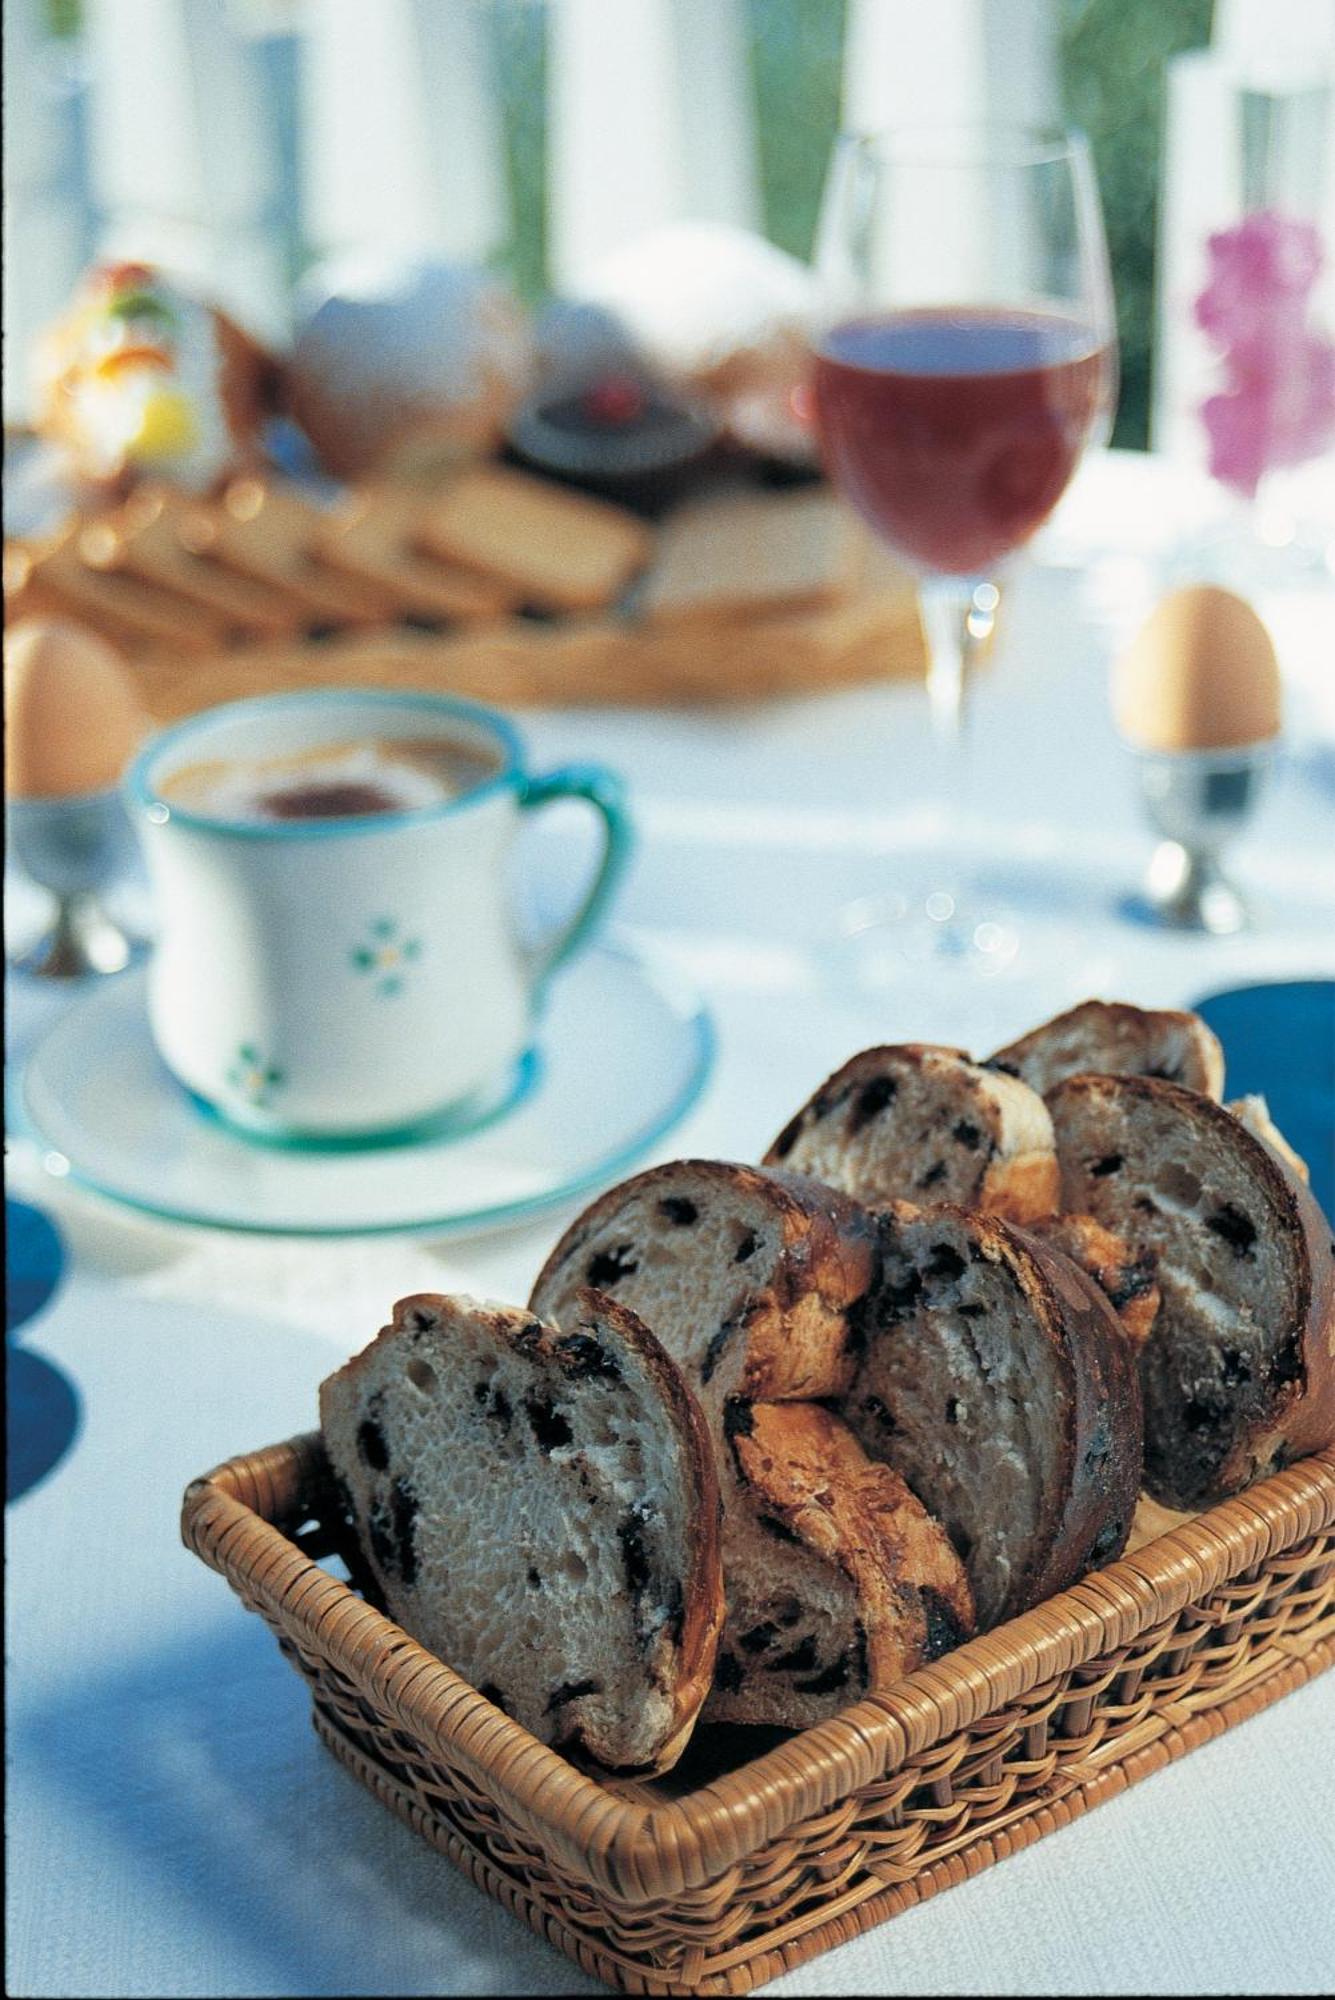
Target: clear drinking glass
{"type": "Point", "coordinates": [965, 361]}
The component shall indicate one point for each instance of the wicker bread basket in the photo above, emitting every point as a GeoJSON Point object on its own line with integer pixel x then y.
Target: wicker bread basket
{"type": "Point", "coordinates": [740, 1865]}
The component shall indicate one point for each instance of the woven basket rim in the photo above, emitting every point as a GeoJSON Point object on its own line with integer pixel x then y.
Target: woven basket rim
{"type": "Point", "coordinates": [640, 1851]}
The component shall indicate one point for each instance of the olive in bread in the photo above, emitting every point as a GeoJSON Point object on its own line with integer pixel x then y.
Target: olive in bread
{"type": "Point", "coordinates": [921, 1123]}
{"type": "Point", "coordinates": [1238, 1373]}
{"type": "Point", "coordinates": [1115, 1039]}
{"type": "Point", "coordinates": [540, 1509]}
{"type": "Point", "coordinates": [997, 1381]}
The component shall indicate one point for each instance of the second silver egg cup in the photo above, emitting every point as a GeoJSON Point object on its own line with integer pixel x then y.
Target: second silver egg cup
{"type": "Point", "coordinates": [1198, 801]}
{"type": "Point", "coordinates": [77, 849]}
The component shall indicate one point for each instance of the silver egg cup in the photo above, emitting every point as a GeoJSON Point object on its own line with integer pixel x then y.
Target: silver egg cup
{"type": "Point", "coordinates": [75, 848]}
{"type": "Point", "coordinates": [1197, 801]}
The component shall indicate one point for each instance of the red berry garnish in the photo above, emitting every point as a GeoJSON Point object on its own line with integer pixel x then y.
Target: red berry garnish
{"type": "Point", "coordinates": [615, 399]}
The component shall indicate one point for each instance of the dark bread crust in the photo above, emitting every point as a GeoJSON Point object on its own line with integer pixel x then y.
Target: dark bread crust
{"type": "Point", "coordinates": [799, 1338]}
{"type": "Point", "coordinates": [1102, 1455]}
{"type": "Point", "coordinates": [703, 1603]}
{"type": "Point", "coordinates": [1299, 1415]}
{"type": "Point", "coordinates": [1089, 1499]}
{"type": "Point", "coordinates": [1129, 1040]}
{"type": "Point", "coordinates": [702, 1621]}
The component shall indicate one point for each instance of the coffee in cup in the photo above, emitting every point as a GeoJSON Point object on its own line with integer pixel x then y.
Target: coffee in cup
{"type": "Point", "coordinates": [351, 780]}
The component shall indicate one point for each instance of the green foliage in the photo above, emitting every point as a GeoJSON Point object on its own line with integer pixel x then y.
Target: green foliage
{"type": "Point", "coordinates": [1112, 56]}
{"type": "Point", "coordinates": [520, 30]}
{"type": "Point", "coordinates": [796, 65]}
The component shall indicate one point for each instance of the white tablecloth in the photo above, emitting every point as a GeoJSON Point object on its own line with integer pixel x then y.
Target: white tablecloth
{"type": "Point", "coordinates": [174, 1826]}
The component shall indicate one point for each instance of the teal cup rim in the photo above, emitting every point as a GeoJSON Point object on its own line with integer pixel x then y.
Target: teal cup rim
{"type": "Point", "coordinates": [141, 795]}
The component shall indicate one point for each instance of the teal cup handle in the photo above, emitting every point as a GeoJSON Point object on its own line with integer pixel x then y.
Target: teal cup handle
{"type": "Point", "coordinates": [603, 790]}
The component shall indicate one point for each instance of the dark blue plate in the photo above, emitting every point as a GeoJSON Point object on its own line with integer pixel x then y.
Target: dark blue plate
{"type": "Point", "coordinates": [1280, 1040]}
{"type": "Point", "coordinates": [34, 1261]}
{"type": "Point", "coordinates": [41, 1404]}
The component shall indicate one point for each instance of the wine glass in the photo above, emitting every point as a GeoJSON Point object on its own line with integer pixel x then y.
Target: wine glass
{"type": "Point", "coordinates": [965, 360]}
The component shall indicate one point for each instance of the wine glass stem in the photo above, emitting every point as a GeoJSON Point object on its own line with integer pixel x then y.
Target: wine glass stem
{"type": "Point", "coordinates": [958, 613]}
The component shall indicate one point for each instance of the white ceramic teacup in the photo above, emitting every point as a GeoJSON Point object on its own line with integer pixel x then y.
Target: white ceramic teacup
{"type": "Point", "coordinates": [351, 979]}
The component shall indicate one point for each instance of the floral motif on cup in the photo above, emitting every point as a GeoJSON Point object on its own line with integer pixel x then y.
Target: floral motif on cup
{"type": "Point", "coordinates": [385, 956]}
{"type": "Point", "coordinates": [253, 1077]}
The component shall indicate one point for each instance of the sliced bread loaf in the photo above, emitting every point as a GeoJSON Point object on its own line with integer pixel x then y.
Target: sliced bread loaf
{"type": "Point", "coordinates": [1238, 1373]}
{"type": "Point", "coordinates": [755, 1283]}
{"type": "Point", "coordinates": [916, 1122]}
{"type": "Point", "coordinates": [1115, 1039]}
{"type": "Point", "coordinates": [540, 1509]}
{"type": "Point", "coordinates": [997, 1382]}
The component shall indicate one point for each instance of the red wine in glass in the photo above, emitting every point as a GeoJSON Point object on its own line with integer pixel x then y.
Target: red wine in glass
{"type": "Point", "coordinates": [954, 432]}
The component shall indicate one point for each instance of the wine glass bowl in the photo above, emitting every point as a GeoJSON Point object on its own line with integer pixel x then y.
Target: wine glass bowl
{"type": "Point", "coordinates": [955, 431]}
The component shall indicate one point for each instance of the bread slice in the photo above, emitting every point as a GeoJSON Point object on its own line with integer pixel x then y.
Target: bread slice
{"type": "Point", "coordinates": [917, 1122]}
{"type": "Point", "coordinates": [1253, 1112]}
{"type": "Point", "coordinates": [751, 1280]}
{"type": "Point", "coordinates": [811, 1480]}
{"type": "Point", "coordinates": [755, 1283]}
{"type": "Point", "coordinates": [369, 535]}
{"type": "Point", "coordinates": [1115, 1039]}
{"type": "Point", "coordinates": [749, 555]}
{"type": "Point", "coordinates": [550, 547]}
{"type": "Point", "coordinates": [540, 1509]}
{"type": "Point", "coordinates": [1128, 1281]}
{"type": "Point", "coordinates": [997, 1382]}
{"type": "Point", "coordinates": [266, 529]}
{"type": "Point", "coordinates": [1239, 1372]}
{"type": "Point", "coordinates": [142, 539]}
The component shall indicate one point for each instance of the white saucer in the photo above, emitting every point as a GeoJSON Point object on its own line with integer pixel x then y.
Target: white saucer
{"type": "Point", "coordinates": [623, 1051]}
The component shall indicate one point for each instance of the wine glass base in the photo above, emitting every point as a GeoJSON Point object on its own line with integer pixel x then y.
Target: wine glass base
{"type": "Point", "coordinates": [881, 939]}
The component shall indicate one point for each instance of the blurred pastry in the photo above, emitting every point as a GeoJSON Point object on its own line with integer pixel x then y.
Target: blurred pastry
{"type": "Point", "coordinates": [139, 376]}
{"type": "Point", "coordinates": [719, 313]}
{"type": "Point", "coordinates": [753, 555]}
{"type": "Point", "coordinates": [617, 434]}
{"type": "Point", "coordinates": [401, 369]}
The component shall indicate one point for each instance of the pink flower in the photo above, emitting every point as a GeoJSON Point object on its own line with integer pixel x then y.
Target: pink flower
{"type": "Point", "coordinates": [1277, 402]}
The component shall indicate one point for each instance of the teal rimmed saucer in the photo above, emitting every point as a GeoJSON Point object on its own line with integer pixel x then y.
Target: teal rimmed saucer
{"type": "Point", "coordinates": [624, 1049]}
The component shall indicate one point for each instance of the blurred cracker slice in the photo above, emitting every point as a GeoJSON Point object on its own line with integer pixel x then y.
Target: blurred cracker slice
{"type": "Point", "coordinates": [142, 538]}
{"type": "Point", "coordinates": [553, 549]}
{"type": "Point", "coordinates": [49, 577]}
{"type": "Point", "coordinates": [369, 536]}
{"type": "Point", "coordinates": [267, 530]}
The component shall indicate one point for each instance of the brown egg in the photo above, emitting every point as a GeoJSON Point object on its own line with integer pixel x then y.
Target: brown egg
{"type": "Point", "coordinates": [71, 719]}
{"type": "Point", "coordinates": [1200, 675]}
